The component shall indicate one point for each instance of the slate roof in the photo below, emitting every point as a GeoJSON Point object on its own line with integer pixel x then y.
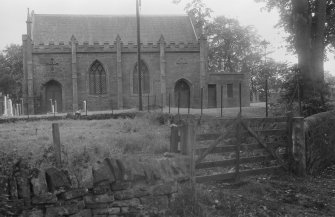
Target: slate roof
{"type": "Point", "coordinates": [105, 28]}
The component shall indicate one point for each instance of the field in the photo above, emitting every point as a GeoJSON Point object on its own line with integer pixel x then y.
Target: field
{"type": "Point", "coordinates": [92, 140]}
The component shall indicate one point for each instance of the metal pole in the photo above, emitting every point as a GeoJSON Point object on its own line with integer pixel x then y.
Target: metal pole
{"type": "Point", "coordinates": [240, 97]}
{"type": "Point", "coordinates": [221, 98]}
{"type": "Point", "coordinates": [155, 101]}
{"type": "Point", "coordinates": [189, 105]}
{"type": "Point", "coordinates": [54, 107]}
{"type": "Point", "coordinates": [266, 97]}
{"type": "Point", "coordinates": [139, 58]}
{"type": "Point", "coordinates": [201, 99]}
{"type": "Point", "coordinates": [28, 109]}
{"type": "Point", "coordinates": [162, 102]}
{"type": "Point", "coordinates": [169, 103]}
{"type": "Point", "coordinates": [178, 101]}
{"type": "Point", "coordinates": [148, 102]}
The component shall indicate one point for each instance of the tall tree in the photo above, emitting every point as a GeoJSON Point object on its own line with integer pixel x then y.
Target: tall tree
{"type": "Point", "coordinates": [11, 71]}
{"type": "Point", "coordinates": [311, 24]}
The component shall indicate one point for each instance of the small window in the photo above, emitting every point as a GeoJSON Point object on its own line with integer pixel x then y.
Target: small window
{"type": "Point", "coordinates": [230, 91]}
{"type": "Point", "coordinates": [97, 79]}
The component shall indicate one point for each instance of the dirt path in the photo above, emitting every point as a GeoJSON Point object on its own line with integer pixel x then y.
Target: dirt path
{"type": "Point", "coordinates": [280, 195]}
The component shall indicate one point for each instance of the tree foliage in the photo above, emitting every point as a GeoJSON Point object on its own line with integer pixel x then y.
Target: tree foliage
{"type": "Point", "coordinates": [311, 28]}
{"type": "Point", "coordinates": [11, 70]}
{"type": "Point", "coordinates": [231, 46]}
{"type": "Point", "coordinates": [234, 48]}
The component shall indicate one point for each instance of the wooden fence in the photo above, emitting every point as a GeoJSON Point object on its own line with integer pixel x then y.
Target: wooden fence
{"type": "Point", "coordinates": [279, 139]}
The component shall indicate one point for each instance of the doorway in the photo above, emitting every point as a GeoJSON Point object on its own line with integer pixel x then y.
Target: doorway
{"type": "Point", "coordinates": [182, 94]}
{"type": "Point", "coordinates": [53, 92]}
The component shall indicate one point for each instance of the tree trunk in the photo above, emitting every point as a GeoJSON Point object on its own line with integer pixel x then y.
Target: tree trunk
{"type": "Point", "coordinates": [309, 38]}
{"type": "Point", "coordinates": [302, 29]}
{"type": "Point", "coordinates": [318, 45]}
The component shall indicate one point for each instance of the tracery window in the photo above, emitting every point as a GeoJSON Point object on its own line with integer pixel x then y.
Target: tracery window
{"type": "Point", "coordinates": [145, 81]}
{"type": "Point", "coordinates": [97, 79]}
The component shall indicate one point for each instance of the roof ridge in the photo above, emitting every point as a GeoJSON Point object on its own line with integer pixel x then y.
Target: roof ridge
{"type": "Point", "coordinates": [116, 15]}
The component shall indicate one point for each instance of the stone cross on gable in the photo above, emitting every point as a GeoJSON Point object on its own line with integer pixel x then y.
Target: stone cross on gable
{"type": "Point", "coordinates": [52, 64]}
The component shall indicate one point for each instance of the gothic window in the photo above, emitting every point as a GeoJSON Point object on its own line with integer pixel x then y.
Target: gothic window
{"type": "Point", "coordinates": [97, 79]}
{"type": "Point", "coordinates": [145, 81]}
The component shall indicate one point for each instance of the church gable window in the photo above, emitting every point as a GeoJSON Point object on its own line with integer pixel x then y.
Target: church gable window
{"type": "Point", "coordinates": [97, 79]}
{"type": "Point", "coordinates": [145, 81]}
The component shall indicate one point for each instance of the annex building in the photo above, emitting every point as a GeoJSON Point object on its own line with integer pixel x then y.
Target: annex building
{"type": "Point", "coordinates": [72, 58]}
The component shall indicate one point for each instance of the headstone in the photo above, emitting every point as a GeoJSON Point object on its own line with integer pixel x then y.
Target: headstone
{"type": "Point", "coordinates": [55, 106]}
{"type": "Point", "coordinates": [84, 105]}
{"type": "Point", "coordinates": [10, 107]}
{"type": "Point", "coordinates": [51, 106]}
{"type": "Point", "coordinates": [17, 109]}
{"type": "Point", "coordinates": [5, 106]}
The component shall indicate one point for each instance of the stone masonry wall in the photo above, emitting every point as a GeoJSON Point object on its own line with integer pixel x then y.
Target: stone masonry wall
{"type": "Point", "coordinates": [112, 187]}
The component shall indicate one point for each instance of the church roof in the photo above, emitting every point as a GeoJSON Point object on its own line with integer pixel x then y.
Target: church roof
{"type": "Point", "coordinates": [105, 28]}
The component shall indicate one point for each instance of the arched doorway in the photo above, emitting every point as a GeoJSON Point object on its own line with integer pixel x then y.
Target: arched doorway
{"type": "Point", "coordinates": [182, 93]}
{"type": "Point", "coordinates": [53, 91]}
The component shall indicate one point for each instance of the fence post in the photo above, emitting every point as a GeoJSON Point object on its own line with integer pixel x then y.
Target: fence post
{"type": "Point", "coordinates": [201, 95]}
{"type": "Point", "coordinates": [155, 102]}
{"type": "Point", "coordinates": [240, 97]}
{"type": "Point", "coordinates": [56, 141]}
{"type": "Point", "coordinates": [187, 138]}
{"type": "Point", "coordinates": [238, 143]}
{"type": "Point", "coordinates": [266, 97]}
{"type": "Point", "coordinates": [174, 139]}
{"type": "Point", "coordinates": [27, 109]}
{"type": "Point", "coordinates": [289, 139]}
{"type": "Point", "coordinates": [187, 142]}
{"type": "Point", "coordinates": [163, 103]}
{"type": "Point", "coordinates": [178, 103]}
{"type": "Point", "coordinates": [148, 102]}
{"type": "Point", "coordinates": [189, 105]}
{"type": "Point", "coordinates": [298, 146]}
{"type": "Point", "coordinates": [169, 102]}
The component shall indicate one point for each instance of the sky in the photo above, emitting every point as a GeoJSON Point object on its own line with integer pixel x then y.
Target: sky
{"type": "Point", "coordinates": [14, 13]}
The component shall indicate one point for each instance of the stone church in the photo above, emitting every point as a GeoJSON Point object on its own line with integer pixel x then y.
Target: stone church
{"type": "Point", "coordinates": [69, 59]}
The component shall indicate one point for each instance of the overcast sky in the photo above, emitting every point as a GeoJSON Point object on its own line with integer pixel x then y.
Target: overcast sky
{"type": "Point", "coordinates": [14, 13]}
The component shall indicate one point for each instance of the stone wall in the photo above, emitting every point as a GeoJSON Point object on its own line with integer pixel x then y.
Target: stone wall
{"type": "Point", "coordinates": [320, 141]}
{"type": "Point", "coordinates": [182, 61]}
{"type": "Point", "coordinates": [112, 187]}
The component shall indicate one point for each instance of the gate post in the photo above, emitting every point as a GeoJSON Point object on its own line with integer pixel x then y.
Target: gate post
{"type": "Point", "coordinates": [187, 138]}
{"type": "Point", "coordinates": [187, 143]}
{"type": "Point", "coordinates": [298, 151]}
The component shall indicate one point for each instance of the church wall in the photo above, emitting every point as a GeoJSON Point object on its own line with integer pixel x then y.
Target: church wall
{"type": "Point", "coordinates": [42, 73]}
{"type": "Point", "coordinates": [130, 100]}
{"type": "Point", "coordinates": [221, 79]}
{"type": "Point", "coordinates": [187, 66]}
{"type": "Point", "coordinates": [97, 102]}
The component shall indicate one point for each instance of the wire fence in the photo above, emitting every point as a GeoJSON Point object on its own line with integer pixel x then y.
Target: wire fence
{"type": "Point", "coordinates": [175, 104]}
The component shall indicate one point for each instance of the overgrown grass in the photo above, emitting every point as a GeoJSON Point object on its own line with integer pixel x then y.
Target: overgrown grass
{"type": "Point", "coordinates": [86, 141]}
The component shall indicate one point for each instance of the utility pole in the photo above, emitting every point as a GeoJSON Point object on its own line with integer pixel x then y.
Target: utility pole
{"type": "Point", "coordinates": [139, 57]}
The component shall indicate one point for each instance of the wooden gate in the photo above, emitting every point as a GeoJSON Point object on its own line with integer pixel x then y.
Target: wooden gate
{"type": "Point", "coordinates": [225, 149]}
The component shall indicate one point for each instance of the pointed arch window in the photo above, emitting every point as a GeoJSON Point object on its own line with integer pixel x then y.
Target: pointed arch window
{"type": "Point", "coordinates": [97, 79]}
{"type": "Point", "coordinates": [145, 81]}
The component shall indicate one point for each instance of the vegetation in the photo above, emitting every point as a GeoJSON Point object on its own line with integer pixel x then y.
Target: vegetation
{"type": "Point", "coordinates": [11, 71]}
{"type": "Point", "coordinates": [310, 24]}
{"type": "Point", "coordinates": [85, 141]}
